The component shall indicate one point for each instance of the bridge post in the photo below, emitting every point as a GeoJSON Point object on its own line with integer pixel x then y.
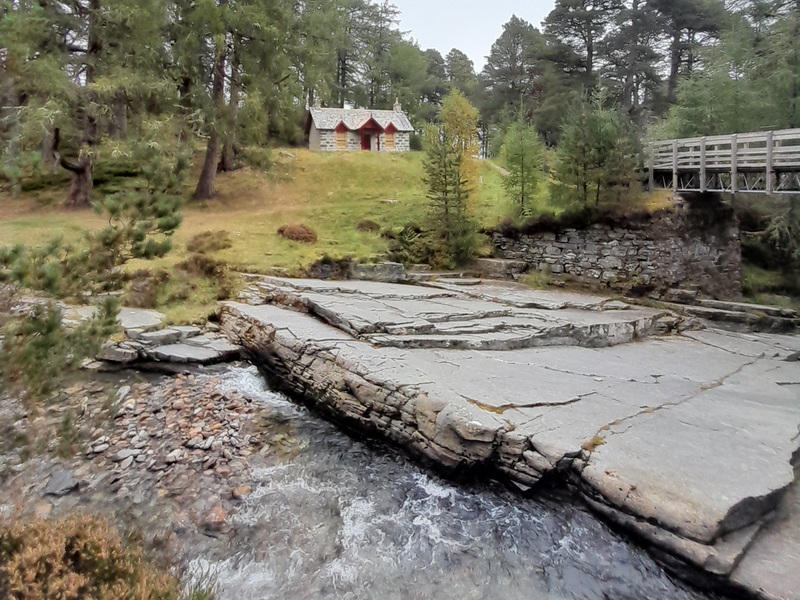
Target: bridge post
{"type": "Point", "coordinates": [703, 181]}
{"type": "Point", "coordinates": [652, 175]}
{"type": "Point", "coordinates": [675, 166]}
{"type": "Point", "coordinates": [769, 183]}
{"type": "Point", "coordinates": [734, 163]}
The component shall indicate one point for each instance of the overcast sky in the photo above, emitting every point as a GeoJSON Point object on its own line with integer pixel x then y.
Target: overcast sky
{"type": "Point", "coordinates": [472, 26]}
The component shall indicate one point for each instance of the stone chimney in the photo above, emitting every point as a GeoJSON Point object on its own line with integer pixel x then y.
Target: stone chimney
{"type": "Point", "coordinates": [397, 106]}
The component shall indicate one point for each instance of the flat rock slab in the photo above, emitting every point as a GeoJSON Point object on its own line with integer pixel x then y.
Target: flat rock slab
{"type": "Point", "coordinates": [770, 566]}
{"type": "Point", "coordinates": [61, 483]}
{"type": "Point", "coordinates": [404, 316]}
{"type": "Point", "coordinates": [521, 296]}
{"type": "Point", "coordinates": [186, 353]}
{"type": "Point", "coordinates": [128, 318]}
{"type": "Point", "coordinates": [688, 440]}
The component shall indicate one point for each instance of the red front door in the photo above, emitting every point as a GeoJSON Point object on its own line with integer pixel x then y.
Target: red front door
{"type": "Point", "coordinates": [366, 141]}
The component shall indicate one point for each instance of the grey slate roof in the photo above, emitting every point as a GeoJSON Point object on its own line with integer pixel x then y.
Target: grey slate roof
{"type": "Point", "coordinates": [354, 118]}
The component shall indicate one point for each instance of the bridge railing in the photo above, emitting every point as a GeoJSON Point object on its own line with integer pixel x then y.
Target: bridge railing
{"type": "Point", "coordinates": [757, 162]}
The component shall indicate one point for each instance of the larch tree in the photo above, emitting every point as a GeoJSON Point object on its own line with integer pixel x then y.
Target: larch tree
{"type": "Point", "coordinates": [451, 147]}
{"type": "Point", "coordinates": [460, 118]}
{"type": "Point", "coordinates": [523, 153]}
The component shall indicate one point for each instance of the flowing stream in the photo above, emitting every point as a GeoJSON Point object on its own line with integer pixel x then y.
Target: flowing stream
{"type": "Point", "coordinates": [333, 517]}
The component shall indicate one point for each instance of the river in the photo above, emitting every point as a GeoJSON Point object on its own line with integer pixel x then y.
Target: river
{"type": "Point", "coordinates": [334, 517]}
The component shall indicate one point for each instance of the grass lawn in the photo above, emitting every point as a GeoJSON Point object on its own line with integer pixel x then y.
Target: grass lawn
{"type": "Point", "coordinates": [329, 192]}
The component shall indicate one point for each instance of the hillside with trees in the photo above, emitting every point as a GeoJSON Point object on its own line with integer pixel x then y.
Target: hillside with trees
{"type": "Point", "coordinates": [151, 155]}
{"type": "Point", "coordinates": [145, 110]}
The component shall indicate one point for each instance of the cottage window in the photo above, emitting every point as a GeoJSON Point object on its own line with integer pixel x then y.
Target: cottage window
{"type": "Point", "coordinates": [388, 141]}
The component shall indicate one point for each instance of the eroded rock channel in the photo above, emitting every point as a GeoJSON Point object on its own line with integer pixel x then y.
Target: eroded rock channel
{"type": "Point", "coordinates": [687, 438]}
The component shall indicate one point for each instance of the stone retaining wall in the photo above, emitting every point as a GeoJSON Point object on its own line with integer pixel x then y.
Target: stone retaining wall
{"type": "Point", "coordinates": [686, 247]}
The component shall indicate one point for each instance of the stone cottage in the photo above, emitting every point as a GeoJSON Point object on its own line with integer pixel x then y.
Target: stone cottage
{"type": "Point", "coordinates": [356, 129]}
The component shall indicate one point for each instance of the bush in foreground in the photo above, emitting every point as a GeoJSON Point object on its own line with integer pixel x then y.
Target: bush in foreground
{"type": "Point", "coordinates": [80, 558]}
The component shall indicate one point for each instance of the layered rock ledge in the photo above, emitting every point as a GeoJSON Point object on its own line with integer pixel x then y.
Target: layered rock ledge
{"type": "Point", "coordinates": [687, 437]}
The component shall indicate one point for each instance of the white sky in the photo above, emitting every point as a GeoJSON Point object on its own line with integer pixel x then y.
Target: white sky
{"type": "Point", "coordinates": [472, 26]}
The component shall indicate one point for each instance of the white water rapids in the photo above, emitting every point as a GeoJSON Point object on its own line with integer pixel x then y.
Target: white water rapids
{"type": "Point", "coordinates": [334, 517]}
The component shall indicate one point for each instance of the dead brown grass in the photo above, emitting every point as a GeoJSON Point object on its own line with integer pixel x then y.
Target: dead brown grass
{"type": "Point", "coordinates": [78, 558]}
{"type": "Point", "coordinates": [298, 233]}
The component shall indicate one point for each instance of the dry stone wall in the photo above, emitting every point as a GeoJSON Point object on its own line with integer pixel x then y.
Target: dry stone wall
{"type": "Point", "coordinates": [692, 247]}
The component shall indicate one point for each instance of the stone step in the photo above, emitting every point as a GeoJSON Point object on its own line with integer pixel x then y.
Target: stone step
{"type": "Point", "coordinates": [755, 309]}
{"type": "Point", "coordinates": [500, 268]}
{"type": "Point", "coordinates": [748, 321]}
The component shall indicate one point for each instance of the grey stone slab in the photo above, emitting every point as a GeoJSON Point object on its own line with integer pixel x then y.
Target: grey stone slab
{"type": "Point", "coordinates": [774, 311]}
{"type": "Point", "coordinates": [139, 318]}
{"type": "Point", "coordinates": [117, 353]}
{"type": "Point", "coordinates": [160, 337]}
{"type": "Point", "coordinates": [770, 566]}
{"type": "Point", "coordinates": [687, 440]}
{"type": "Point", "coordinates": [291, 323]}
{"type": "Point", "coordinates": [61, 483]}
{"type": "Point", "coordinates": [369, 288]}
{"type": "Point", "coordinates": [521, 296]}
{"type": "Point", "coordinates": [187, 331]}
{"type": "Point", "coordinates": [710, 465]}
{"type": "Point", "coordinates": [128, 318]}
{"type": "Point", "coordinates": [193, 354]}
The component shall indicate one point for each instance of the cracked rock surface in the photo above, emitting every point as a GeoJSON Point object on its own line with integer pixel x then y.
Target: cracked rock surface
{"type": "Point", "coordinates": [688, 439]}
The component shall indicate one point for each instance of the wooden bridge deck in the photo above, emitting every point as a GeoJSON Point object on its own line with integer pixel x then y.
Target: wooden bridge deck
{"type": "Point", "coordinates": [764, 162]}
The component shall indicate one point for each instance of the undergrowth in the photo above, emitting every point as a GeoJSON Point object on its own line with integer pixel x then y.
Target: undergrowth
{"type": "Point", "coordinates": [81, 558]}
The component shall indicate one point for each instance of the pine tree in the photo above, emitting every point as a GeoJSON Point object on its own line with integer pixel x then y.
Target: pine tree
{"type": "Point", "coordinates": [632, 62]}
{"type": "Point", "coordinates": [689, 25]}
{"type": "Point", "coordinates": [581, 26]}
{"type": "Point", "coordinates": [74, 70]}
{"type": "Point", "coordinates": [594, 160]}
{"type": "Point", "coordinates": [513, 70]}
{"type": "Point", "coordinates": [523, 153]}
{"type": "Point", "coordinates": [461, 73]}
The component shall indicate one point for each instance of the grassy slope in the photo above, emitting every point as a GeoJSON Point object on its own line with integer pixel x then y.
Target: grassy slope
{"type": "Point", "coordinates": [329, 192]}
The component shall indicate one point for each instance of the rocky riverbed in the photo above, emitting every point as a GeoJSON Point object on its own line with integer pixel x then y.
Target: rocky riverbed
{"type": "Point", "coordinates": [687, 437]}
{"type": "Point", "coordinates": [288, 506]}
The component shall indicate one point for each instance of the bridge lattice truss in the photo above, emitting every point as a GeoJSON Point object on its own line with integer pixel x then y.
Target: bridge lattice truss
{"type": "Point", "coordinates": [764, 162]}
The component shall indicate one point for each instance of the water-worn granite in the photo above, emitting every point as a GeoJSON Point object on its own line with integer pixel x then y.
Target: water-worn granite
{"type": "Point", "coordinates": [688, 439]}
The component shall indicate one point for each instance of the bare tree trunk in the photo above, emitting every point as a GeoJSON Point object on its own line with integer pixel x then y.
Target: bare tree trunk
{"type": "Point", "coordinates": [228, 161]}
{"type": "Point", "coordinates": [80, 189]}
{"type": "Point", "coordinates": [80, 192]}
{"type": "Point", "coordinates": [185, 103]}
{"type": "Point", "coordinates": [205, 185]}
{"type": "Point", "coordinates": [674, 66]}
{"type": "Point", "coordinates": [794, 90]}
{"type": "Point", "coordinates": [629, 86]}
{"type": "Point", "coordinates": [118, 126]}
{"type": "Point", "coordinates": [50, 158]}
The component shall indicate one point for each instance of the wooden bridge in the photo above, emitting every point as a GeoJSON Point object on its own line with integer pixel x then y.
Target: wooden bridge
{"type": "Point", "coordinates": [764, 162]}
